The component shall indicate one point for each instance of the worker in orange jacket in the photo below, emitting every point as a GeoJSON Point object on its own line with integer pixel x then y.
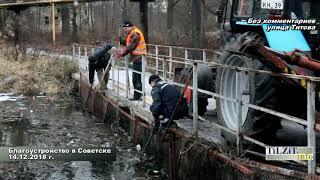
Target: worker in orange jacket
{"type": "Point", "coordinates": [135, 45]}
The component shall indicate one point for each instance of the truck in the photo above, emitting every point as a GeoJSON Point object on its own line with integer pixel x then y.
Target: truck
{"type": "Point", "coordinates": [280, 36]}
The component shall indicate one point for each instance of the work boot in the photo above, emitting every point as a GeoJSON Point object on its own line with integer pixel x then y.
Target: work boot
{"type": "Point", "coordinates": [136, 97]}
{"type": "Point", "coordinates": [164, 126]}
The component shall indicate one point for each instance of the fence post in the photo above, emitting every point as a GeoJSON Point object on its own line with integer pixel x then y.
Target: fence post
{"type": "Point", "coordinates": [311, 123]}
{"type": "Point", "coordinates": [164, 65]}
{"type": "Point", "coordinates": [143, 80]}
{"type": "Point", "coordinates": [185, 56]}
{"type": "Point", "coordinates": [157, 59]}
{"type": "Point", "coordinates": [118, 90]}
{"type": "Point", "coordinates": [85, 52]}
{"type": "Point", "coordinates": [239, 112]}
{"type": "Point", "coordinates": [127, 76]}
{"type": "Point", "coordinates": [204, 56]}
{"type": "Point", "coordinates": [79, 51]}
{"type": "Point", "coordinates": [73, 51]}
{"type": "Point", "coordinates": [195, 99]}
{"type": "Point", "coordinates": [112, 73]}
{"type": "Point", "coordinates": [170, 62]}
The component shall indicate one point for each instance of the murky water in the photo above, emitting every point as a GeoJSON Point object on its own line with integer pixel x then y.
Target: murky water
{"type": "Point", "coordinates": [59, 122]}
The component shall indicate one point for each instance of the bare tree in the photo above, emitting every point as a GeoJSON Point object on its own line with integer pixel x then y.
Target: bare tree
{"type": "Point", "coordinates": [1, 19]}
{"type": "Point", "coordinates": [170, 7]}
{"type": "Point", "coordinates": [196, 26]}
{"type": "Point", "coordinates": [91, 16]}
{"type": "Point", "coordinates": [65, 18]}
{"type": "Point", "coordinates": [124, 10]}
{"type": "Point", "coordinates": [74, 24]}
{"type": "Point", "coordinates": [106, 15]}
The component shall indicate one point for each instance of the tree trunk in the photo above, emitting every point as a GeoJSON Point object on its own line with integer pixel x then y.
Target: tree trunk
{"type": "Point", "coordinates": [170, 21]}
{"type": "Point", "coordinates": [38, 18]}
{"type": "Point", "coordinates": [65, 17]}
{"type": "Point", "coordinates": [74, 24]}
{"type": "Point", "coordinates": [1, 19]}
{"type": "Point", "coordinates": [204, 22]}
{"type": "Point", "coordinates": [124, 11]}
{"type": "Point", "coordinates": [91, 16]}
{"type": "Point", "coordinates": [196, 27]}
{"type": "Point", "coordinates": [106, 15]}
{"type": "Point", "coordinates": [112, 16]}
{"type": "Point", "coordinates": [144, 18]}
{"type": "Point", "coordinates": [17, 42]}
{"type": "Point", "coordinates": [80, 17]}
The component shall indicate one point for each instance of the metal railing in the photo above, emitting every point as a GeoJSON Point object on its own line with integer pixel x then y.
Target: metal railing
{"type": "Point", "coordinates": [153, 62]}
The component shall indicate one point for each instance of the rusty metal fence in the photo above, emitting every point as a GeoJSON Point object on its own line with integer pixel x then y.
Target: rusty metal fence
{"type": "Point", "coordinates": [162, 62]}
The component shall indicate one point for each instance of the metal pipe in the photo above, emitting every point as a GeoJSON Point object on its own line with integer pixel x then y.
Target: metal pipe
{"type": "Point", "coordinates": [170, 62]}
{"type": "Point", "coordinates": [143, 80]}
{"type": "Point", "coordinates": [278, 114]}
{"type": "Point", "coordinates": [311, 121]}
{"type": "Point", "coordinates": [239, 113]}
{"type": "Point", "coordinates": [215, 64]}
{"type": "Point", "coordinates": [185, 56]}
{"type": "Point", "coordinates": [127, 76]}
{"type": "Point", "coordinates": [73, 52]}
{"type": "Point", "coordinates": [112, 74]}
{"type": "Point", "coordinates": [195, 99]}
{"type": "Point", "coordinates": [164, 63]}
{"type": "Point", "coordinates": [154, 69]}
{"type": "Point", "coordinates": [79, 51]}
{"type": "Point", "coordinates": [254, 141]}
{"type": "Point", "coordinates": [157, 60]}
{"type": "Point", "coordinates": [179, 47]}
{"type": "Point", "coordinates": [204, 56]}
{"type": "Point", "coordinates": [118, 89]}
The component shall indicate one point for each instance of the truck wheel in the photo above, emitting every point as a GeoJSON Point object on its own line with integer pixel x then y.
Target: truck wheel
{"type": "Point", "coordinates": [259, 89]}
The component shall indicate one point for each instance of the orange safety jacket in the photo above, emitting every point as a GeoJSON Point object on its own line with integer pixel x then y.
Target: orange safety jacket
{"type": "Point", "coordinates": [142, 47]}
{"type": "Point", "coordinates": [188, 95]}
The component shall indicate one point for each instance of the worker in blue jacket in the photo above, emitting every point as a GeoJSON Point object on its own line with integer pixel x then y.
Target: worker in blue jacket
{"type": "Point", "coordinates": [165, 98]}
{"type": "Point", "coordinates": [98, 61]}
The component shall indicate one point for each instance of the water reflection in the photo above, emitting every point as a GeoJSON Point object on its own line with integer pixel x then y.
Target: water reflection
{"type": "Point", "coordinates": [41, 121]}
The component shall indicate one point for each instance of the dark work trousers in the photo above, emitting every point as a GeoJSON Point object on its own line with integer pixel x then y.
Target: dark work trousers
{"type": "Point", "coordinates": [136, 79]}
{"type": "Point", "coordinates": [202, 105]}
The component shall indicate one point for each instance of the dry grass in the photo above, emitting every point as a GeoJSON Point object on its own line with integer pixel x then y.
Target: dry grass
{"type": "Point", "coordinates": [32, 75]}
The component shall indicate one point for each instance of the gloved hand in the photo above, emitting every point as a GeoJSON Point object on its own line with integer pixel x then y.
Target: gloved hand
{"type": "Point", "coordinates": [119, 52]}
{"type": "Point", "coordinates": [108, 46]}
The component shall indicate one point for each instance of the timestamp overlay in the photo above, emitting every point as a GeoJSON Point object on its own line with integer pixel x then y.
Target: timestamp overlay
{"type": "Point", "coordinates": [57, 153]}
